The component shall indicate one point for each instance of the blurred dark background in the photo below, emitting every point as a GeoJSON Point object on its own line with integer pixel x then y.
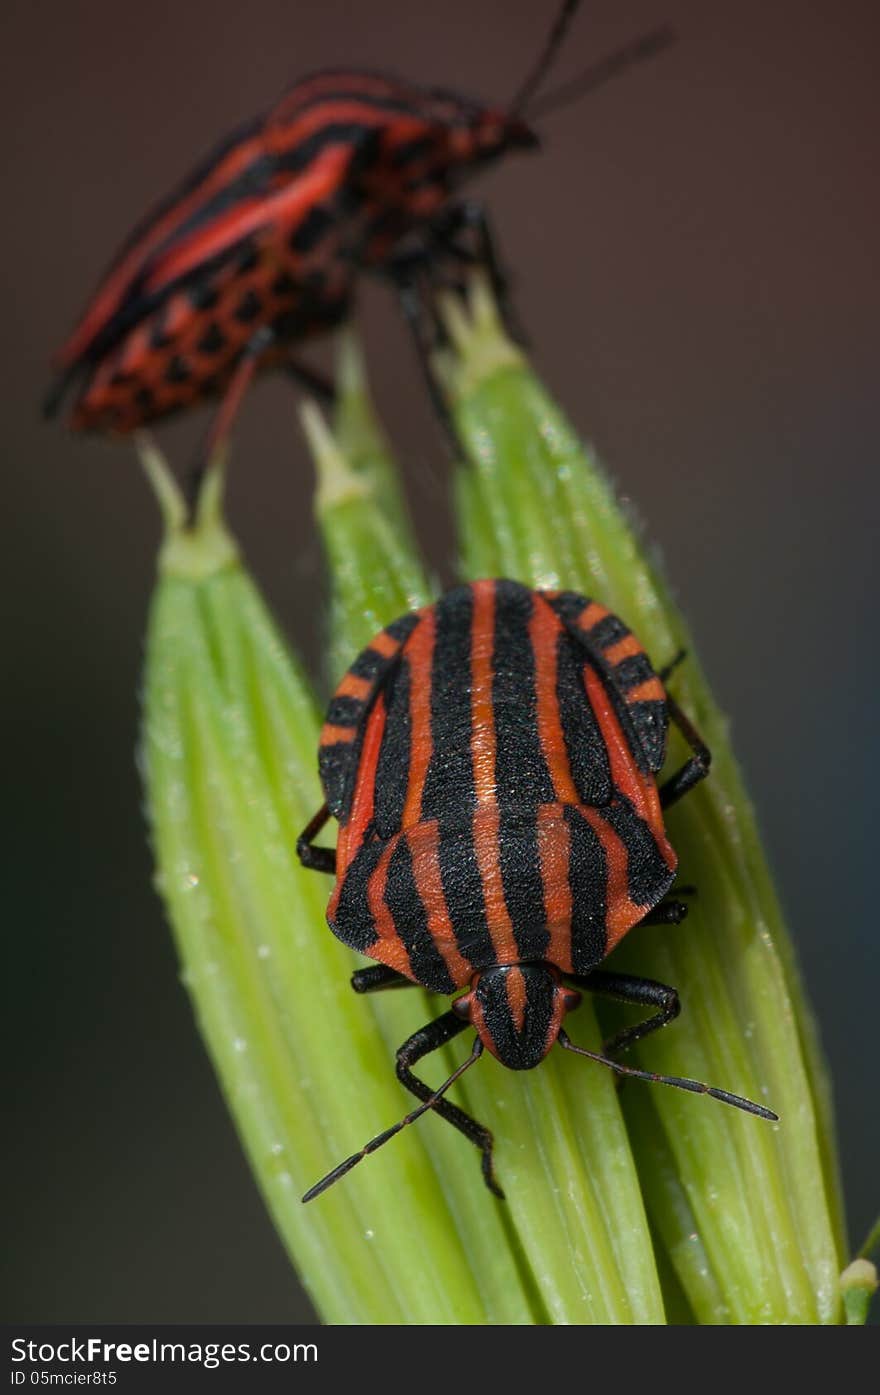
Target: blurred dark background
{"type": "Point", "coordinates": [696, 260]}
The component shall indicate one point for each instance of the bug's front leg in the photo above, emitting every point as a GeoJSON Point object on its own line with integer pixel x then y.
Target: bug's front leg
{"type": "Point", "coordinates": [419, 1044]}
{"type": "Point", "coordinates": [627, 988]}
{"type": "Point", "coordinates": [430, 1038]}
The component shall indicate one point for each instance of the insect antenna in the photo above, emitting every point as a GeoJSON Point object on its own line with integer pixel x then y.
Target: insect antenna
{"type": "Point", "coordinates": [603, 70]}
{"type": "Point", "coordinates": [381, 1138]}
{"type": "Point", "coordinates": [695, 1086]}
{"type": "Point", "coordinates": [545, 59]}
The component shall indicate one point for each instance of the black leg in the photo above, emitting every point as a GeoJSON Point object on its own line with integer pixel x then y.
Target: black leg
{"type": "Point", "coordinates": [673, 664]}
{"type": "Point", "coordinates": [318, 384]}
{"type": "Point", "coordinates": [421, 271]}
{"type": "Point", "coordinates": [413, 302]}
{"type": "Point", "coordinates": [226, 414]}
{"type": "Point", "coordinates": [667, 913]}
{"type": "Point", "coordinates": [430, 1038]}
{"type": "Point", "coordinates": [471, 217]}
{"type": "Point", "coordinates": [318, 859]}
{"type": "Point", "coordinates": [377, 977]}
{"type": "Point", "coordinates": [419, 1044]}
{"type": "Point", "coordinates": [624, 988]}
{"type": "Point", "coordinates": [693, 770]}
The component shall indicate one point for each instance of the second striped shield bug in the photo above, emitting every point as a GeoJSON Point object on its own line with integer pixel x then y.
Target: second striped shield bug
{"type": "Point", "coordinates": [492, 761]}
{"type": "Point", "coordinates": [260, 248]}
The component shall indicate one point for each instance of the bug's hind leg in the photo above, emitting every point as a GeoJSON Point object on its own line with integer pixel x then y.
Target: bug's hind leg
{"type": "Point", "coordinates": [626, 988]}
{"type": "Point", "coordinates": [316, 859]}
{"type": "Point", "coordinates": [225, 415]}
{"type": "Point", "coordinates": [695, 769]}
{"type": "Point", "coordinates": [430, 1038]}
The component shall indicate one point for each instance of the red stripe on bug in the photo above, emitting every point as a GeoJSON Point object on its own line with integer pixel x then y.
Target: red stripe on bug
{"type": "Point", "coordinates": [376, 885]}
{"type": "Point", "coordinates": [285, 136]}
{"type": "Point", "coordinates": [554, 850]}
{"type": "Point", "coordinates": [385, 644]}
{"type": "Point", "coordinates": [650, 691]}
{"type": "Point", "coordinates": [288, 206]}
{"type": "Point", "coordinates": [388, 948]}
{"type": "Point", "coordinates": [354, 687]}
{"type": "Point", "coordinates": [110, 294]}
{"type": "Point", "coordinates": [360, 813]}
{"type": "Point", "coordinates": [640, 790]}
{"type": "Point", "coordinates": [482, 706]}
{"type": "Point", "coordinates": [591, 614]}
{"type": "Point", "coordinates": [424, 843]}
{"type": "Point", "coordinates": [419, 653]}
{"type": "Point", "coordinates": [487, 848]}
{"type": "Point", "coordinates": [515, 987]}
{"type": "Point", "coordinates": [483, 747]}
{"type": "Point", "coordinates": [393, 953]}
{"type": "Point", "coordinates": [625, 648]}
{"type": "Point", "coordinates": [544, 631]}
{"type": "Point", "coordinates": [333, 735]}
{"type": "Point", "coordinates": [621, 913]}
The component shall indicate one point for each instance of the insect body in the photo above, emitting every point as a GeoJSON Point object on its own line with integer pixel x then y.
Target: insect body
{"type": "Point", "coordinates": [492, 762]}
{"type": "Point", "coordinates": [260, 248]}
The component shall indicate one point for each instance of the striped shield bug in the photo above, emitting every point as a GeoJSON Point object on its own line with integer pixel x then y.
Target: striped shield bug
{"type": "Point", "coordinates": [492, 761]}
{"type": "Point", "coordinates": [259, 249]}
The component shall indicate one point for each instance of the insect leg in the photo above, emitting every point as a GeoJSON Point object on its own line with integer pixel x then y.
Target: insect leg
{"type": "Point", "coordinates": [377, 977]}
{"type": "Point", "coordinates": [429, 1038]}
{"type": "Point", "coordinates": [693, 770]}
{"type": "Point", "coordinates": [432, 1099]}
{"type": "Point", "coordinates": [318, 859]}
{"type": "Point", "coordinates": [309, 378]}
{"type": "Point", "coordinates": [226, 413]}
{"type": "Point", "coordinates": [471, 217]}
{"type": "Point", "coordinates": [673, 664]}
{"type": "Point", "coordinates": [667, 913]}
{"type": "Point", "coordinates": [625, 988]}
{"type": "Point", "coordinates": [413, 304]}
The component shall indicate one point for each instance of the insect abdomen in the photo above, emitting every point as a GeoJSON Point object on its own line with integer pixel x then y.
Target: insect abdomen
{"type": "Point", "coordinates": [497, 814]}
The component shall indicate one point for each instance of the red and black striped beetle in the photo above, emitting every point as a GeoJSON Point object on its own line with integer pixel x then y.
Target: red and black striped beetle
{"type": "Point", "coordinates": [260, 248]}
{"type": "Point", "coordinates": [492, 762]}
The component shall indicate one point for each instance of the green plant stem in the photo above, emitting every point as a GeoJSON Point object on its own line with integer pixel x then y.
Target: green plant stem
{"type": "Point", "coordinates": [572, 1239]}
{"type": "Point", "coordinates": [760, 1200]}
{"type": "Point", "coordinates": [229, 741]}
